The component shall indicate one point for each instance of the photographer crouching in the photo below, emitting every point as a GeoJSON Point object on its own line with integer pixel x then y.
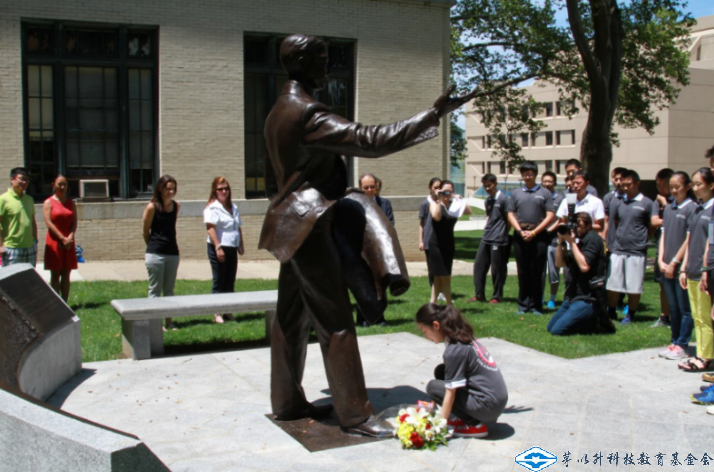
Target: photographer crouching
{"type": "Point", "coordinates": [584, 309]}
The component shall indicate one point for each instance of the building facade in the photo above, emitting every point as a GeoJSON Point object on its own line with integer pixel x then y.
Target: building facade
{"type": "Point", "coordinates": [129, 91]}
{"type": "Point", "coordinates": [679, 142]}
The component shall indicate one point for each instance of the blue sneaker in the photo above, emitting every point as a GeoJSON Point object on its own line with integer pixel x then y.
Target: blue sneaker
{"type": "Point", "coordinates": [626, 310]}
{"type": "Point", "coordinates": [551, 305]}
{"type": "Point", "coordinates": [705, 398]}
{"type": "Point", "coordinates": [536, 312]}
{"type": "Point", "coordinates": [626, 321]}
{"type": "Point", "coordinates": [707, 388]}
{"type": "Point", "coordinates": [520, 312]}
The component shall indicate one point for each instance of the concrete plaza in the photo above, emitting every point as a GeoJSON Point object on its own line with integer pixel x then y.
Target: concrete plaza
{"type": "Point", "coordinates": [206, 412]}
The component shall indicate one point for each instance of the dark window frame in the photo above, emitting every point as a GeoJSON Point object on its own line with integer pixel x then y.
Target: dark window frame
{"type": "Point", "coordinates": [275, 72]}
{"type": "Point", "coordinates": [122, 62]}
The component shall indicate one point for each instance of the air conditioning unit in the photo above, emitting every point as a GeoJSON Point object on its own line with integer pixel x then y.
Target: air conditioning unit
{"type": "Point", "coordinates": [94, 190]}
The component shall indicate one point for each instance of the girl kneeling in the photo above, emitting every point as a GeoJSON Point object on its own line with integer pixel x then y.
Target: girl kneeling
{"type": "Point", "coordinates": [468, 383]}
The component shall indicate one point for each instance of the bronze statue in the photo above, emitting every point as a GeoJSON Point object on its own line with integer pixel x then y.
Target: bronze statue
{"type": "Point", "coordinates": [305, 177]}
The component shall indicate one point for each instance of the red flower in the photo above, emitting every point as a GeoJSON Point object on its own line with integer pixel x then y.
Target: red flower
{"type": "Point", "coordinates": [428, 426]}
{"type": "Point", "coordinates": [403, 417]}
{"type": "Point", "coordinates": [416, 440]}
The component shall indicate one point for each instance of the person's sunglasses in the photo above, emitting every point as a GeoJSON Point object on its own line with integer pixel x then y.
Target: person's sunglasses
{"type": "Point", "coordinates": [222, 189]}
{"type": "Point", "coordinates": [447, 193]}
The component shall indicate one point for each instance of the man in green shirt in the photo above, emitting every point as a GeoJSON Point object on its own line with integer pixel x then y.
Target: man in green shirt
{"type": "Point", "coordinates": [17, 221]}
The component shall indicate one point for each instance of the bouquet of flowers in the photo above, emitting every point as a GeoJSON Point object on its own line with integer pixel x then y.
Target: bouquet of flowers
{"type": "Point", "coordinates": [419, 427]}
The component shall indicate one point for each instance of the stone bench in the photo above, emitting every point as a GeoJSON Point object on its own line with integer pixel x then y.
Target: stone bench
{"type": "Point", "coordinates": [142, 318]}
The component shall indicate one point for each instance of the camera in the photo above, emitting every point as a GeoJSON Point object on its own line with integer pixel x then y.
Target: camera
{"type": "Point", "coordinates": [571, 225]}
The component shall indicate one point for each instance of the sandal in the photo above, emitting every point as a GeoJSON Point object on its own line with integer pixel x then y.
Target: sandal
{"type": "Point", "coordinates": [695, 364]}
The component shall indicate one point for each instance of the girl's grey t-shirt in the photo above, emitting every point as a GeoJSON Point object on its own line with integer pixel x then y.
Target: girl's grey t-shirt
{"type": "Point", "coordinates": [674, 227]}
{"type": "Point", "coordinates": [472, 366]}
{"type": "Point", "coordinates": [698, 233]}
{"type": "Point", "coordinates": [496, 230]}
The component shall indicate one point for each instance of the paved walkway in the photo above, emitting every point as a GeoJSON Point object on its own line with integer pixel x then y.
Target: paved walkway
{"type": "Point", "coordinates": [201, 270]}
{"type": "Point", "coordinates": [206, 412]}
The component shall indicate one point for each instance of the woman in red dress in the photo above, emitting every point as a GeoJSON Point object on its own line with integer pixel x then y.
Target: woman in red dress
{"type": "Point", "coordinates": [60, 215]}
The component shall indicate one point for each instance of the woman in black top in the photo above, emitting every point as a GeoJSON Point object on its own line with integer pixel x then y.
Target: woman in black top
{"type": "Point", "coordinates": [441, 242]}
{"type": "Point", "coordinates": [159, 230]}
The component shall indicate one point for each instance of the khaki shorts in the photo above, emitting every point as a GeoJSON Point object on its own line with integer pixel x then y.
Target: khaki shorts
{"type": "Point", "coordinates": [626, 274]}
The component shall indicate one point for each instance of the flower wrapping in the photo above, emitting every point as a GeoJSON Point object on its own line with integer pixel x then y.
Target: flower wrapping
{"type": "Point", "coordinates": [418, 427]}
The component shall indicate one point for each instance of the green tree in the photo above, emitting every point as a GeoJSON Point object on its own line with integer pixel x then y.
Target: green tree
{"type": "Point", "coordinates": [619, 60]}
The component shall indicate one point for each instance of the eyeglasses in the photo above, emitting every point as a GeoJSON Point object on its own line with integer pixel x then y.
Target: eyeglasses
{"type": "Point", "coordinates": [222, 189]}
{"type": "Point", "coordinates": [446, 194]}
{"type": "Point", "coordinates": [23, 180]}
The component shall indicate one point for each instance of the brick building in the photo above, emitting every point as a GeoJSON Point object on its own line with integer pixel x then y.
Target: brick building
{"type": "Point", "coordinates": [129, 91]}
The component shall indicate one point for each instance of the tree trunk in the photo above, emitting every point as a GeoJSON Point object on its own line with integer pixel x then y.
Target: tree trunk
{"type": "Point", "coordinates": [596, 150]}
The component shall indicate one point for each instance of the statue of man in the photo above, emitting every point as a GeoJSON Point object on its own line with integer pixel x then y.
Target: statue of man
{"type": "Point", "coordinates": [305, 176]}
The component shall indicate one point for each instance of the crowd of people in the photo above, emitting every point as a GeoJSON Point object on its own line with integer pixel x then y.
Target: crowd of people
{"type": "Point", "coordinates": [600, 245]}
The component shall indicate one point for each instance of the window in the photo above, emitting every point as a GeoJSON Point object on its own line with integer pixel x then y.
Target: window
{"type": "Point", "coordinates": [565, 138]}
{"type": "Point", "coordinates": [90, 106]}
{"type": "Point", "coordinates": [264, 80]}
{"type": "Point", "coordinates": [548, 138]}
{"type": "Point", "coordinates": [524, 139]}
{"type": "Point", "coordinates": [549, 109]}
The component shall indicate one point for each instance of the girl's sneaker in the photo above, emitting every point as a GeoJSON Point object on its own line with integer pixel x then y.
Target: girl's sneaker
{"type": "Point", "coordinates": [455, 422]}
{"type": "Point", "coordinates": [676, 353]}
{"type": "Point", "coordinates": [705, 398]}
{"type": "Point", "coordinates": [665, 352]}
{"type": "Point", "coordinates": [708, 377]}
{"type": "Point", "coordinates": [471, 431]}
{"type": "Point", "coordinates": [706, 388]}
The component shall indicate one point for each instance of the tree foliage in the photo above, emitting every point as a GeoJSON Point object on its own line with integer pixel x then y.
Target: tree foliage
{"type": "Point", "coordinates": [619, 60]}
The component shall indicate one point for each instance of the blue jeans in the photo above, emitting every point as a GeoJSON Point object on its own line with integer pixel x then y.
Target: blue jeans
{"type": "Point", "coordinates": [572, 318]}
{"type": "Point", "coordinates": [680, 313]}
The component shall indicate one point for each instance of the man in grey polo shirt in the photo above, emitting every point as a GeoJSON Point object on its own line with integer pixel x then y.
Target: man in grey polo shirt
{"type": "Point", "coordinates": [495, 248]}
{"type": "Point", "coordinates": [626, 272]}
{"type": "Point", "coordinates": [530, 212]}
{"type": "Point", "coordinates": [610, 203]}
{"type": "Point", "coordinates": [549, 181]}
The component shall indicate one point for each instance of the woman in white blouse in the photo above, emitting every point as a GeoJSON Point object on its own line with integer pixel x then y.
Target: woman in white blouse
{"type": "Point", "coordinates": [225, 239]}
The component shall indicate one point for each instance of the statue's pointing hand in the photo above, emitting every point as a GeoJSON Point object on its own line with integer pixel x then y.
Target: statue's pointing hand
{"type": "Point", "coordinates": [445, 104]}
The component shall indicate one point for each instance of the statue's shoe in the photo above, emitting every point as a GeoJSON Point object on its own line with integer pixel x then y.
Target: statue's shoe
{"type": "Point", "coordinates": [372, 427]}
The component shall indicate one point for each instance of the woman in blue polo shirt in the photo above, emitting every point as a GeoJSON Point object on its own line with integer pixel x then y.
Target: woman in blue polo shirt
{"type": "Point", "coordinates": [672, 246]}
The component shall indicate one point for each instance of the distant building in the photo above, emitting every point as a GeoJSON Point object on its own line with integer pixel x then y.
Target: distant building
{"type": "Point", "coordinates": [684, 133]}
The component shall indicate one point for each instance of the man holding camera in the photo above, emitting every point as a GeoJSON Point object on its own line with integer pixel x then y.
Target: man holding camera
{"type": "Point", "coordinates": [579, 312]}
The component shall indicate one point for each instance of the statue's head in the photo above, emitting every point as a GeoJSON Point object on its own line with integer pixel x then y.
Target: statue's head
{"type": "Point", "coordinates": [304, 58]}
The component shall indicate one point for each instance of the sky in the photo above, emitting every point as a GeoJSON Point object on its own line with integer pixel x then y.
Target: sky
{"type": "Point", "coordinates": [697, 8]}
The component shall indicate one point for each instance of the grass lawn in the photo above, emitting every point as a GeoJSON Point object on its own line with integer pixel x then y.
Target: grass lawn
{"type": "Point", "coordinates": [476, 212]}
{"type": "Point", "coordinates": [101, 326]}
